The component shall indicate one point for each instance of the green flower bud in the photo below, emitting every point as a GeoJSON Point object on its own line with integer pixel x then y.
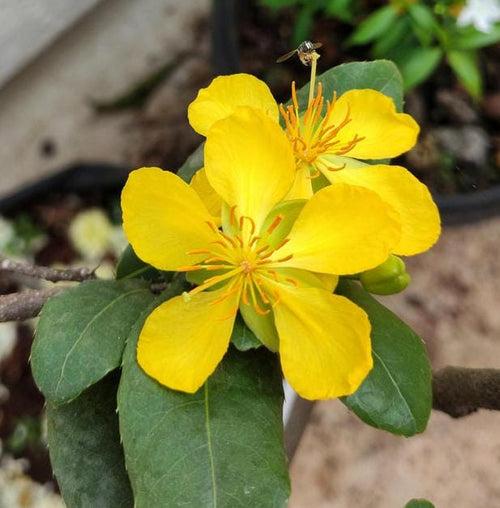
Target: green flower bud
{"type": "Point", "coordinates": [388, 278]}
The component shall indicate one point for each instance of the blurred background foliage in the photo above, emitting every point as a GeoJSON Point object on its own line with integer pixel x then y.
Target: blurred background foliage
{"type": "Point", "coordinates": [416, 34]}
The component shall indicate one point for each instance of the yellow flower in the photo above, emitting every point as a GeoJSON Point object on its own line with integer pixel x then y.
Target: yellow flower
{"type": "Point", "coordinates": [328, 141]}
{"type": "Point", "coordinates": [280, 278]}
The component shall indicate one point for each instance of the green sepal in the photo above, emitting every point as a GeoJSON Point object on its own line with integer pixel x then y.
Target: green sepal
{"type": "Point", "coordinates": [388, 278]}
{"type": "Point", "coordinates": [287, 211]}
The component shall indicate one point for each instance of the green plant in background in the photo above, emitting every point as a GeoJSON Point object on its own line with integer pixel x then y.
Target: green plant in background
{"type": "Point", "coordinates": [416, 34]}
{"type": "Point", "coordinates": [345, 10]}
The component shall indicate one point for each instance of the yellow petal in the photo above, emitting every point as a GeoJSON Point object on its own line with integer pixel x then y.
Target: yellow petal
{"type": "Point", "coordinates": [262, 325]}
{"type": "Point", "coordinates": [226, 93]}
{"type": "Point", "coordinates": [419, 215]}
{"type": "Point", "coordinates": [163, 218]}
{"type": "Point", "coordinates": [302, 185]}
{"type": "Point", "coordinates": [249, 162]}
{"type": "Point", "coordinates": [342, 230]}
{"type": "Point", "coordinates": [328, 280]}
{"type": "Point", "coordinates": [373, 116]}
{"type": "Point", "coordinates": [325, 346]}
{"type": "Point", "coordinates": [183, 341]}
{"type": "Point", "coordinates": [210, 198]}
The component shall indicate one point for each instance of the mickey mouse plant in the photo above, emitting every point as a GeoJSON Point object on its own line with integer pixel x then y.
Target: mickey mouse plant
{"type": "Point", "coordinates": [253, 264]}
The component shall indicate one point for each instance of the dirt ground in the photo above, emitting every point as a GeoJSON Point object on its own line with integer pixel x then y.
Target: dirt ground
{"type": "Point", "coordinates": [453, 302]}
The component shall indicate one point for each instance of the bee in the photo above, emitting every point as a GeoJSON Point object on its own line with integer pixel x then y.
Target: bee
{"type": "Point", "coordinates": [304, 52]}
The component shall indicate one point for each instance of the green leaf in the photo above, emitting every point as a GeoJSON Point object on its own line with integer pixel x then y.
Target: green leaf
{"type": "Point", "coordinates": [470, 38]}
{"type": "Point", "coordinates": [193, 163]}
{"type": "Point", "coordinates": [303, 25]}
{"type": "Point", "coordinates": [465, 66]}
{"type": "Point", "coordinates": [419, 503]}
{"type": "Point", "coordinates": [243, 338]}
{"type": "Point", "coordinates": [131, 267]}
{"type": "Point", "coordinates": [424, 21]}
{"type": "Point", "coordinates": [392, 38]}
{"type": "Point", "coordinates": [342, 9]}
{"type": "Point", "coordinates": [279, 4]}
{"type": "Point", "coordinates": [380, 75]}
{"type": "Point", "coordinates": [374, 25]}
{"type": "Point", "coordinates": [397, 394]}
{"type": "Point", "coordinates": [85, 451]}
{"type": "Point", "coordinates": [222, 446]}
{"type": "Point", "coordinates": [417, 65]}
{"type": "Point", "coordinates": [82, 333]}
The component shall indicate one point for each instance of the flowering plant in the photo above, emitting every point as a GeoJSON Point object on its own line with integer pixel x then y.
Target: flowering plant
{"type": "Point", "coordinates": [253, 263]}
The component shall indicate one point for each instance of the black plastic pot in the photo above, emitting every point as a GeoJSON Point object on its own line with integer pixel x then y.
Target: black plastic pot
{"type": "Point", "coordinates": [467, 208]}
{"type": "Point", "coordinates": [79, 178]}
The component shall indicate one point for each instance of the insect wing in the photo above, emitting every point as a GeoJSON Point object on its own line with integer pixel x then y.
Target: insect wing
{"type": "Point", "coordinates": [287, 56]}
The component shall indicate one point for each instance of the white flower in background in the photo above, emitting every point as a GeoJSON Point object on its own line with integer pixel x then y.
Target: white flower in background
{"type": "Point", "coordinates": [8, 337]}
{"type": "Point", "coordinates": [19, 491]}
{"type": "Point", "coordinates": [106, 271]}
{"type": "Point", "coordinates": [481, 14]}
{"type": "Point", "coordinates": [118, 241]}
{"type": "Point", "coordinates": [6, 233]}
{"type": "Point", "coordinates": [90, 233]}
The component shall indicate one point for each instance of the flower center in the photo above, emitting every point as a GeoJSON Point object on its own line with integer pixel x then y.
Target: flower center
{"type": "Point", "coordinates": [312, 134]}
{"type": "Point", "coordinates": [243, 261]}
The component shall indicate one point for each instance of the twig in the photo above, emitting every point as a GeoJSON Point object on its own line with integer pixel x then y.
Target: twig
{"type": "Point", "coordinates": [26, 304]}
{"type": "Point", "coordinates": [46, 273]}
{"type": "Point", "coordinates": [459, 391]}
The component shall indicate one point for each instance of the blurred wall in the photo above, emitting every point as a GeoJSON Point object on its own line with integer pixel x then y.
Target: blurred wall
{"type": "Point", "coordinates": [58, 57]}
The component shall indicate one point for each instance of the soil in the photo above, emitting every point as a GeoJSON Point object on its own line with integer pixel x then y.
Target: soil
{"type": "Point", "coordinates": [459, 148]}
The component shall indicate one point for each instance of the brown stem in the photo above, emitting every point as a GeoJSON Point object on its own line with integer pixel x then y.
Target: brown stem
{"type": "Point", "coordinates": [46, 273]}
{"type": "Point", "coordinates": [26, 304]}
{"type": "Point", "coordinates": [459, 391]}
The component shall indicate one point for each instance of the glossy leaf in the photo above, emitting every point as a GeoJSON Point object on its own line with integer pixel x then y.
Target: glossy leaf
{"type": "Point", "coordinates": [374, 25]}
{"type": "Point", "coordinates": [85, 451]}
{"type": "Point", "coordinates": [131, 267]}
{"type": "Point", "coordinates": [221, 447]}
{"type": "Point", "coordinates": [81, 335]}
{"type": "Point", "coordinates": [397, 394]}
{"type": "Point", "coordinates": [417, 65]}
{"type": "Point", "coordinates": [465, 66]}
{"type": "Point", "coordinates": [380, 75]}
